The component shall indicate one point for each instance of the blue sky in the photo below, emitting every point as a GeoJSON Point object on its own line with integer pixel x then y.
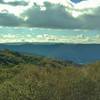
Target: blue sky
{"type": "Point", "coordinates": [75, 1]}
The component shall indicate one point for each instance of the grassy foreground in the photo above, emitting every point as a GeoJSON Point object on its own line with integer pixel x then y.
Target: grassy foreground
{"type": "Point", "coordinates": [24, 77]}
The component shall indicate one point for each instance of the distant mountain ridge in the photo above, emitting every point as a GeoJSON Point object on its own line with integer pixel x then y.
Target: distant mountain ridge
{"type": "Point", "coordinates": [79, 53]}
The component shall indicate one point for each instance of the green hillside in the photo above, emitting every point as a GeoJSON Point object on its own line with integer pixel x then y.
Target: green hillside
{"type": "Point", "coordinates": [26, 77]}
{"type": "Point", "coordinates": [12, 58]}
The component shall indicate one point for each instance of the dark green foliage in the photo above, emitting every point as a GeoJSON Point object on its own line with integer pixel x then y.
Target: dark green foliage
{"type": "Point", "coordinates": [29, 81]}
{"type": "Point", "coordinates": [10, 58]}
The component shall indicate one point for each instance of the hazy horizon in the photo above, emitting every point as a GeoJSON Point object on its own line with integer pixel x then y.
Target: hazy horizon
{"type": "Point", "coordinates": [24, 34]}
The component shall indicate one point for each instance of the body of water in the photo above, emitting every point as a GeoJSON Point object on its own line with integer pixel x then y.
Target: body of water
{"type": "Point", "coordinates": [79, 53]}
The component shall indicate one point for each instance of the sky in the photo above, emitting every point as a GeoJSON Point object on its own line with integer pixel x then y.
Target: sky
{"type": "Point", "coordinates": [76, 1]}
{"type": "Point", "coordinates": [23, 34]}
{"type": "Point", "coordinates": [80, 20]}
{"type": "Point", "coordinates": [69, 14]}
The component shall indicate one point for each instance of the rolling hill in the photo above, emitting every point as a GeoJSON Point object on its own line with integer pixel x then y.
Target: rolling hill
{"type": "Point", "coordinates": [31, 77]}
{"type": "Point", "coordinates": [8, 57]}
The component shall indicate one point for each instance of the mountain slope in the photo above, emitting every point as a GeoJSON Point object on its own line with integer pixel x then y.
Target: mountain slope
{"type": "Point", "coordinates": [26, 77]}
{"type": "Point", "coordinates": [8, 57]}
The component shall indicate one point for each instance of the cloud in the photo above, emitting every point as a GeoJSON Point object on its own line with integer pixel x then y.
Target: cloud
{"type": "Point", "coordinates": [17, 3]}
{"type": "Point", "coordinates": [90, 21]}
{"type": "Point", "coordinates": [7, 19]}
{"type": "Point", "coordinates": [58, 16]}
{"type": "Point", "coordinates": [1, 1]}
{"type": "Point", "coordinates": [79, 38]}
{"type": "Point", "coordinates": [53, 16]}
{"type": "Point", "coordinates": [88, 4]}
{"type": "Point", "coordinates": [55, 13]}
{"type": "Point", "coordinates": [14, 2]}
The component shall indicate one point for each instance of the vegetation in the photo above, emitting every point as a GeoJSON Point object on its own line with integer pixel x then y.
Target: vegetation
{"type": "Point", "coordinates": [25, 77]}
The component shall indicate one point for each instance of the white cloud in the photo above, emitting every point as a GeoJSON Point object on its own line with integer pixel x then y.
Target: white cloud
{"type": "Point", "coordinates": [78, 13]}
{"type": "Point", "coordinates": [87, 4]}
{"type": "Point", "coordinates": [85, 7]}
{"type": "Point", "coordinates": [81, 38]}
{"type": "Point", "coordinates": [17, 10]}
{"type": "Point", "coordinates": [81, 8]}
